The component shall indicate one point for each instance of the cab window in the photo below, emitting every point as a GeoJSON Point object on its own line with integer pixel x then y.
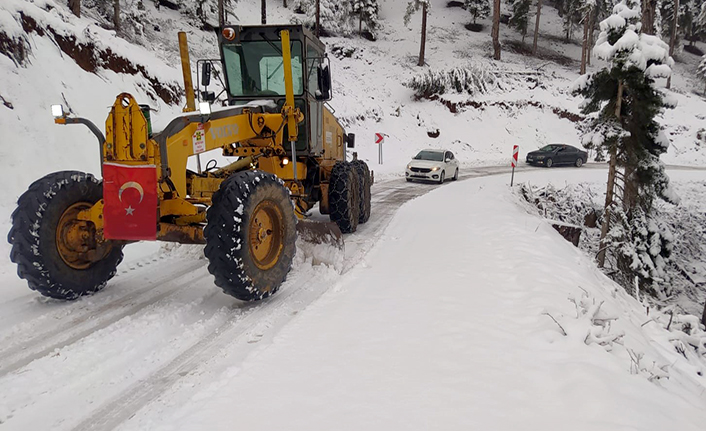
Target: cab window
{"type": "Point", "coordinates": [256, 68]}
{"type": "Point", "coordinates": [313, 62]}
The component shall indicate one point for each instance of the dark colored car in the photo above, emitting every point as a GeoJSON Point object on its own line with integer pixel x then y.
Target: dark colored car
{"type": "Point", "coordinates": [557, 154]}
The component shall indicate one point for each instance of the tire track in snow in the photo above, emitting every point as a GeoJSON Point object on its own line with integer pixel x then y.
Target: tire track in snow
{"type": "Point", "coordinates": [71, 330]}
{"type": "Point", "coordinates": [37, 307]}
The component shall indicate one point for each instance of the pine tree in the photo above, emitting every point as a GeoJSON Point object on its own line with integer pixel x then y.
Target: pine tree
{"type": "Point", "coordinates": [495, 31]}
{"type": "Point", "coordinates": [667, 14]}
{"type": "Point", "coordinates": [621, 102]}
{"type": "Point", "coordinates": [689, 23]}
{"type": "Point", "coordinates": [519, 20]}
{"type": "Point", "coordinates": [477, 8]}
{"type": "Point", "coordinates": [75, 6]}
{"type": "Point", "coordinates": [536, 26]}
{"type": "Point", "coordinates": [116, 15]}
{"type": "Point", "coordinates": [701, 72]}
{"type": "Point", "coordinates": [367, 12]}
{"type": "Point", "coordinates": [334, 16]}
{"type": "Point", "coordinates": [572, 15]}
{"type": "Point", "coordinates": [412, 7]}
{"type": "Point", "coordinates": [588, 11]}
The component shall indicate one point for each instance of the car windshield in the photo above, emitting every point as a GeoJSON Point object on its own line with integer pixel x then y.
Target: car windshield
{"type": "Point", "coordinates": [551, 147]}
{"type": "Point", "coordinates": [435, 156]}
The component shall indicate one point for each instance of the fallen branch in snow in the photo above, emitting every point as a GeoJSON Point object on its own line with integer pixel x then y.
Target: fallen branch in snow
{"type": "Point", "coordinates": [557, 323]}
{"type": "Point", "coordinates": [588, 313]}
{"type": "Point", "coordinates": [6, 102]}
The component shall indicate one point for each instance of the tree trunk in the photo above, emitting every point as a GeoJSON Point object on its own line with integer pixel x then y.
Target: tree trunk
{"type": "Point", "coordinates": [75, 6]}
{"type": "Point", "coordinates": [318, 18]}
{"type": "Point", "coordinates": [584, 47]}
{"type": "Point", "coordinates": [536, 27]}
{"type": "Point", "coordinates": [649, 8]}
{"type": "Point", "coordinates": [360, 21]}
{"type": "Point", "coordinates": [673, 37]}
{"type": "Point", "coordinates": [611, 186]}
{"type": "Point", "coordinates": [703, 316]}
{"type": "Point", "coordinates": [424, 35]}
{"type": "Point", "coordinates": [263, 7]}
{"type": "Point", "coordinates": [496, 29]}
{"type": "Point", "coordinates": [590, 39]}
{"type": "Point", "coordinates": [284, 3]}
{"type": "Point", "coordinates": [116, 15]}
{"type": "Point", "coordinates": [221, 14]}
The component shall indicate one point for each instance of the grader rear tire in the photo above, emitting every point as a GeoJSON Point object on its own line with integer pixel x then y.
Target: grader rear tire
{"type": "Point", "coordinates": [344, 197]}
{"type": "Point", "coordinates": [55, 252]}
{"type": "Point", "coordinates": [250, 235]}
{"type": "Point", "coordinates": [364, 182]}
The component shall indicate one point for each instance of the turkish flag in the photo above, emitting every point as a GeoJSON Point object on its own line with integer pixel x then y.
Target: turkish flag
{"type": "Point", "coordinates": [129, 202]}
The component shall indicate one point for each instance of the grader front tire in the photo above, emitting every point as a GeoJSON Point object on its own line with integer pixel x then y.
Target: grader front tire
{"type": "Point", "coordinates": [56, 253]}
{"type": "Point", "coordinates": [250, 235]}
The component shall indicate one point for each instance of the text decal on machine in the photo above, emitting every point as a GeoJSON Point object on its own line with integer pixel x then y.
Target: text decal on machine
{"type": "Point", "coordinates": [199, 139]}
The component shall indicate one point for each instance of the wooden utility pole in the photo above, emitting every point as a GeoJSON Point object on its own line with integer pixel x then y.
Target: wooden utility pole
{"type": "Point", "coordinates": [75, 6]}
{"type": "Point", "coordinates": [495, 33]}
{"type": "Point", "coordinates": [673, 37]}
{"type": "Point", "coordinates": [424, 35]}
{"type": "Point", "coordinates": [263, 4]}
{"type": "Point", "coordinates": [536, 27]}
{"type": "Point", "coordinates": [116, 15]}
{"type": "Point", "coordinates": [610, 190]}
{"type": "Point", "coordinates": [318, 18]}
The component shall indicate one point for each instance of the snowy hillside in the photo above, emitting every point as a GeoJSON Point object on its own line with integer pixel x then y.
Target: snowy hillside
{"type": "Point", "coordinates": [529, 108]}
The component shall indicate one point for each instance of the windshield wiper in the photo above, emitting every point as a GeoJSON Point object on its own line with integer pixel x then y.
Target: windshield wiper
{"type": "Point", "coordinates": [272, 44]}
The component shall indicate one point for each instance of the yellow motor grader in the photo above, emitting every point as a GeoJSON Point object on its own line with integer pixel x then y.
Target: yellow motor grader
{"type": "Point", "coordinates": [69, 228]}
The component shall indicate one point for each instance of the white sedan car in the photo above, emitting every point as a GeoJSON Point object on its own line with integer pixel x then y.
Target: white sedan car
{"type": "Point", "coordinates": [433, 165]}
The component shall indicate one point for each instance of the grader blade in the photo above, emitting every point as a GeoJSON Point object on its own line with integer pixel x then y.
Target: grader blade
{"type": "Point", "coordinates": [319, 232]}
{"type": "Point", "coordinates": [321, 243]}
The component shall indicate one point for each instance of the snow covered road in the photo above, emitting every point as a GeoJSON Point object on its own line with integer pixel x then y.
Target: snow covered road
{"type": "Point", "coordinates": [436, 327]}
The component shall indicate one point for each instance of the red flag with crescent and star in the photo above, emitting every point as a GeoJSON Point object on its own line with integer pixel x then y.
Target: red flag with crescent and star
{"type": "Point", "coordinates": [129, 202]}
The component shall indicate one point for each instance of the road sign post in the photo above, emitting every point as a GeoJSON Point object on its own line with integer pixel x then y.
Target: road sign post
{"type": "Point", "coordinates": [379, 139]}
{"type": "Point", "coordinates": [515, 152]}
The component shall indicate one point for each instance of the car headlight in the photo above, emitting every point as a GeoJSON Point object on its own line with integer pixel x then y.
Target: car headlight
{"type": "Point", "coordinates": [435, 168]}
{"type": "Point", "coordinates": [409, 166]}
{"type": "Point", "coordinates": [540, 157]}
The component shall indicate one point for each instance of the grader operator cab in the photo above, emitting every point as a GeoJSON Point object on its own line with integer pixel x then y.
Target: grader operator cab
{"type": "Point", "coordinates": [69, 228]}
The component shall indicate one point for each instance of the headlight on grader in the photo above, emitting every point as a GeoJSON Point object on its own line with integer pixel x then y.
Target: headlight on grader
{"type": "Point", "coordinates": [205, 108]}
{"type": "Point", "coordinates": [57, 111]}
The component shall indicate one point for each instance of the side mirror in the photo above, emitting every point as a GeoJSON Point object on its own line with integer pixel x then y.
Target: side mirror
{"type": "Point", "coordinates": [447, 160]}
{"type": "Point", "coordinates": [350, 140]}
{"type": "Point", "coordinates": [206, 74]}
{"type": "Point", "coordinates": [324, 80]}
